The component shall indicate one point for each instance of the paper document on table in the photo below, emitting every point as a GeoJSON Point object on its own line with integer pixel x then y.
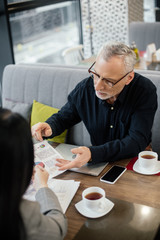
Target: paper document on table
{"type": "Point", "coordinates": [64, 189]}
{"type": "Point", "coordinates": [46, 154]}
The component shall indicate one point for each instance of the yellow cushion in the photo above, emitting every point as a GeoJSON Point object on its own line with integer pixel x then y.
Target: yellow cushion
{"type": "Point", "coordinates": [40, 113]}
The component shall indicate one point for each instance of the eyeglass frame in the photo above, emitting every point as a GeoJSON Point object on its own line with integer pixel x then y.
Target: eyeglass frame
{"type": "Point", "coordinates": [113, 84]}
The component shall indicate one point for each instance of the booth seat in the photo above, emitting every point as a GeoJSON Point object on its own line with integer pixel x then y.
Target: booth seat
{"type": "Point", "coordinates": [144, 33]}
{"type": "Point", "coordinates": [50, 85]}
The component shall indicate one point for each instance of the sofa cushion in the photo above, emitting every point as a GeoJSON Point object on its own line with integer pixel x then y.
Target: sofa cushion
{"type": "Point", "coordinates": [40, 113]}
{"type": "Point", "coordinates": [20, 107]}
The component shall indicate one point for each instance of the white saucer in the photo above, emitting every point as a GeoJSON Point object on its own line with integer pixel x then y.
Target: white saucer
{"type": "Point", "coordinates": [137, 168]}
{"type": "Point", "coordinates": [81, 208]}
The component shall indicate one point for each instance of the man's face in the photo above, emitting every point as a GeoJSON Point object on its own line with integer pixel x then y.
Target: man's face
{"type": "Point", "coordinates": [110, 72]}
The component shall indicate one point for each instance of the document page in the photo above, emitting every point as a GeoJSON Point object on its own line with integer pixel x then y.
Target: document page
{"type": "Point", "coordinates": [64, 189]}
{"type": "Point", "coordinates": [44, 153]}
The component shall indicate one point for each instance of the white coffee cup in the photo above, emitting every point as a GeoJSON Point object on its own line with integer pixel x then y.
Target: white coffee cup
{"type": "Point", "coordinates": [94, 198]}
{"type": "Point", "coordinates": [148, 160]}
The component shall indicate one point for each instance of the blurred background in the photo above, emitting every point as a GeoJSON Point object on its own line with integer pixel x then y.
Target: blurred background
{"type": "Point", "coordinates": [38, 31]}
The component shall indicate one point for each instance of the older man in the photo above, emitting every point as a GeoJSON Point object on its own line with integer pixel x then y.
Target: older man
{"type": "Point", "coordinates": [116, 105]}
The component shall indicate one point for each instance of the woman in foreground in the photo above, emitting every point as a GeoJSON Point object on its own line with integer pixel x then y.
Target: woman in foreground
{"type": "Point", "coordinates": [20, 218]}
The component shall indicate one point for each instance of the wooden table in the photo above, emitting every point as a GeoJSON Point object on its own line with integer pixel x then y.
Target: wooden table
{"type": "Point", "coordinates": [131, 187]}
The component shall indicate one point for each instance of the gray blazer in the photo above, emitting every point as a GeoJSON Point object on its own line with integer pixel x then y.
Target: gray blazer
{"type": "Point", "coordinates": [43, 220]}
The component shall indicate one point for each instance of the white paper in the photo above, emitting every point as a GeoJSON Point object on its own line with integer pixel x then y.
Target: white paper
{"type": "Point", "coordinates": [64, 190]}
{"type": "Point", "coordinates": [46, 154]}
{"type": "Point", "coordinates": [151, 48]}
{"type": "Point", "coordinates": [158, 54]}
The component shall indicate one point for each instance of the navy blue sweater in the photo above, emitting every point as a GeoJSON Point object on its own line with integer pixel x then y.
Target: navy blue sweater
{"type": "Point", "coordinates": [117, 131]}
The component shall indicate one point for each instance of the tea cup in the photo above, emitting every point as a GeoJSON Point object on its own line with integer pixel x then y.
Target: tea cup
{"type": "Point", "coordinates": [94, 198]}
{"type": "Point", "coordinates": [148, 160]}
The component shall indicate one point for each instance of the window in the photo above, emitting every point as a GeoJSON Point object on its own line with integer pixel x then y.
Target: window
{"type": "Point", "coordinates": [39, 35]}
{"type": "Point", "coordinates": [17, 1]}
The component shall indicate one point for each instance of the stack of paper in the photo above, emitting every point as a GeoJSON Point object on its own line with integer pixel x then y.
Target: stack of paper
{"type": "Point", "coordinates": [151, 49]}
{"type": "Point", "coordinates": [158, 55]}
{"type": "Point", "coordinates": [152, 55]}
{"type": "Point", "coordinates": [64, 189]}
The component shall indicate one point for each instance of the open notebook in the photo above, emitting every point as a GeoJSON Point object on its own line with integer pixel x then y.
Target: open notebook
{"type": "Point", "coordinates": [65, 151]}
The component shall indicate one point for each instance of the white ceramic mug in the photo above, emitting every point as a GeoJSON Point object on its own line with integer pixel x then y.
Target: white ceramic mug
{"type": "Point", "coordinates": [146, 162]}
{"type": "Point", "coordinates": [96, 204]}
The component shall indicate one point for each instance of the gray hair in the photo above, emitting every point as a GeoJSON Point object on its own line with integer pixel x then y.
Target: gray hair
{"type": "Point", "coordinates": [121, 50]}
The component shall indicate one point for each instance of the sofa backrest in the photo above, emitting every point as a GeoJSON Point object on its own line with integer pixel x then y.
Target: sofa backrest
{"type": "Point", "coordinates": [144, 33]}
{"type": "Point", "coordinates": [50, 85]}
{"type": "Point", "coordinates": [154, 76]}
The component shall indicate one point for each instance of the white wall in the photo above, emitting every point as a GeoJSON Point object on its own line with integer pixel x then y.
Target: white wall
{"type": "Point", "coordinates": [102, 21]}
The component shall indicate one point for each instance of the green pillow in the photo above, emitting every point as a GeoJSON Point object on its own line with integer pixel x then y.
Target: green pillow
{"type": "Point", "coordinates": [40, 113]}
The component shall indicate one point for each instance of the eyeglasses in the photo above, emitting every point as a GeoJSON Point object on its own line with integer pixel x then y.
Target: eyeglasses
{"type": "Point", "coordinates": [106, 81]}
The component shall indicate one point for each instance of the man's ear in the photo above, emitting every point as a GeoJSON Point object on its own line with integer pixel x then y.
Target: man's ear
{"type": "Point", "coordinates": [130, 78]}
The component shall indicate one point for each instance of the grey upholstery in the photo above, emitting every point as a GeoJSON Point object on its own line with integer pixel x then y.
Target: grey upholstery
{"type": "Point", "coordinates": [51, 85]}
{"type": "Point", "coordinates": [144, 33]}
{"type": "Point", "coordinates": [154, 76]}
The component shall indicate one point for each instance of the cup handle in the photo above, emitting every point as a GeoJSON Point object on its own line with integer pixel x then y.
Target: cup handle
{"type": "Point", "coordinates": [102, 205]}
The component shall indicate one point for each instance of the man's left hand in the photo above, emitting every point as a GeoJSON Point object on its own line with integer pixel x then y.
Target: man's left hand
{"type": "Point", "coordinates": [83, 155]}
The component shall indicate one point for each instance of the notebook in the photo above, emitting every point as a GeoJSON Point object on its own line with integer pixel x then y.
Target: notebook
{"type": "Point", "coordinates": [94, 170]}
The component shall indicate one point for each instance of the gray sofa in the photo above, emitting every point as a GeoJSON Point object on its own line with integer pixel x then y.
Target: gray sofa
{"type": "Point", "coordinates": [50, 85]}
{"type": "Point", "coordinates": [144, 33]}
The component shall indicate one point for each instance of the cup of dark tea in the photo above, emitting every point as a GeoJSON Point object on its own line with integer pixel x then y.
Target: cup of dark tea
{"type": "Point", "coordinates": [94, 198]}
{"type": "Point", "coordinates": [148, 160]}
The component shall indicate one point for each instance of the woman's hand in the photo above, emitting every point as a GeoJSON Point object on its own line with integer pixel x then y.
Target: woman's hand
{"type": "Point", "coordinates": [40, 178]}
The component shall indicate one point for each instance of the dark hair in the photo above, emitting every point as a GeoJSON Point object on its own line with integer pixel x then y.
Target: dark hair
{"type": "Point", "coordinates": [17, 159]}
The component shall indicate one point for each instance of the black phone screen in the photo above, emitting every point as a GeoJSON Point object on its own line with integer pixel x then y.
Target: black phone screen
{"type": "Point", "coordinates": [113, 173]}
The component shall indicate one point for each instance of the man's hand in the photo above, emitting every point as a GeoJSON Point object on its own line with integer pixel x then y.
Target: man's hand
{"type": "Point", "coordinates": [40, 130]}
{"type": "Point", "coordinates": [83, 156]}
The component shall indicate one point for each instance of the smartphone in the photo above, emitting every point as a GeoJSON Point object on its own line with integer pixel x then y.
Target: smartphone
{"type": "Point", "coordinates": [113, 174]}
